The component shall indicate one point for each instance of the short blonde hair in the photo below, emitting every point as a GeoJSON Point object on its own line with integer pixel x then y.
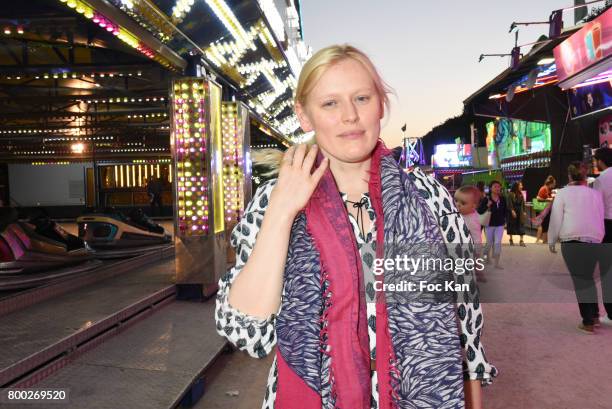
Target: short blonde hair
{"type": "Point", "coordinates": [316, 66]}
{"type": "Point", "coordinates": [311, 72]}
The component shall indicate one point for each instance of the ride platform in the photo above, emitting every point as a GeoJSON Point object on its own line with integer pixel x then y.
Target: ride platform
{"type": "Point", "coordinates": [119, 341]}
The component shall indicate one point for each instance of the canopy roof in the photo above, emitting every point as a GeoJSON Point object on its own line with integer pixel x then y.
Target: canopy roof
{"type": "Point", "coordinates": [99, 71]}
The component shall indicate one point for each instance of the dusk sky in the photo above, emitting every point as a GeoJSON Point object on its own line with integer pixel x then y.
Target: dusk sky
{"type": "Point", "coordinates": [427, 51]}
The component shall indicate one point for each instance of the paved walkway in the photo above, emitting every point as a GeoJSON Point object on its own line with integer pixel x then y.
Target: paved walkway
{"type": "Point", "coordinates": [544, 361]}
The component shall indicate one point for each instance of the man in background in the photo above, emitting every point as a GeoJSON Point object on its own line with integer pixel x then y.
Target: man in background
{"type": "Point", "coordinates": [603, 183]}
{"type": "Point", "coordinates": [154, 190]}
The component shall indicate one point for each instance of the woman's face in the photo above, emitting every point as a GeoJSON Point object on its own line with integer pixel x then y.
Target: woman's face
{"type": "Point", "coordinates": [496, 188]}
{"type": "Point", "coordinates": [344, 110]}
{"type": "Point", "coordinates": [520, 186]}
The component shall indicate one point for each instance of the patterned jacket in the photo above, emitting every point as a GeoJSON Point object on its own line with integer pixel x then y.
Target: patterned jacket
{"type": "Point", "coordinates": [257, 336]}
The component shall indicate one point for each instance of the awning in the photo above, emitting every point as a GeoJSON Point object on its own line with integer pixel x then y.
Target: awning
{"type": "Point", "coordinates": [530, 82]}
{"type": "Point", "coordinates": [499, 85]}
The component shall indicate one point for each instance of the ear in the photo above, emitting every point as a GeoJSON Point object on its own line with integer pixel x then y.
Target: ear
{"type": "Point", "coordinates": [305, 122]}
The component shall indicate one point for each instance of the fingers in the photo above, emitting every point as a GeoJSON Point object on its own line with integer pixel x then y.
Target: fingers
{"type": "Point", "coordinates": [298, 156]}
{"type": "Point", "coordinates": [318, 173]}
{"type": "Point", "coordinates": [310, 158]}
{"type": "Point", "coordinates": [288, 157]}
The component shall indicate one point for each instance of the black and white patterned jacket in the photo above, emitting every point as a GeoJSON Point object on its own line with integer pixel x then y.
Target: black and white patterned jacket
{"type": "Point", "coordinates": [257, 336]}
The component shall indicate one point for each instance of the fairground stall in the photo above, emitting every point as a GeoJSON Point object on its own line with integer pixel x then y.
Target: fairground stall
{"type": "Point", "coordinates": [113, 111]}
{"type": "Point", "coordinates": [450, 161]}
{"type": "Point", "coordinates": [584, 69]}
{"type": "Point", "coordinates": [522, 119]}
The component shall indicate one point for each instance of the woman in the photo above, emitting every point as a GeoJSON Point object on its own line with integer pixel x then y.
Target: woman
{"type": "Point", "coordinates": [545, 195]}
{"type": "Point", "coordinates": [495, 203]}
{"type": "Point", "coordinates": [303, 283]}
{"type": "Point", "coordinates": [517, 216]}
{"type": "Point", "coordinates": [577, 220]}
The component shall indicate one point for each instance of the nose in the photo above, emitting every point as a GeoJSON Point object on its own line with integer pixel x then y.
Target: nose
{"type": "Point", "coordinates": [349, 113]}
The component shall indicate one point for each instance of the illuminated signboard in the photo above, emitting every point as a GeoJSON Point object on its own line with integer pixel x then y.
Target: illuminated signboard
{"type": "Point", "coordinates": [588, 99]}
{"type": "Point", "coordinates": [233, 161]}
{"type": "Point", "coordinates": [589, 45]}
{"type": "Point", "coordinates": [190, 103]}
{"type": "Point", "coordinates": [511, 137]}
{"type": "Point", "coordinates": [451, 155]}
{"type": "Point", "coordinates": [605, 131]}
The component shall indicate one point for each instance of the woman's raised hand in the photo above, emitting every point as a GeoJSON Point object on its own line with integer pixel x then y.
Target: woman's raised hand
{"type": "Point", "coordinates": [295, 182]}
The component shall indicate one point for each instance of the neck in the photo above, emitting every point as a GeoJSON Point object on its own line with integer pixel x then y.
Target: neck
{"type": "Point", "coordinates": [351, 178]}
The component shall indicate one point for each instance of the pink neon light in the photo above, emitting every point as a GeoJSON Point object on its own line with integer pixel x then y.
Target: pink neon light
{"type": "Point", "coordinates": [593, 82]}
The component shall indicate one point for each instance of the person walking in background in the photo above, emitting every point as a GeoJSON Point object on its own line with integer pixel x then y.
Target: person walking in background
{"type": "Point", "coordinates": [495, 203]}
{"type": "Point", "coordinates": [577, 221]}
{"type": "Point", "coordinates": [603, 183]}
{"type": "Point", "coordinates": [480, 185]}
{"type": "Point", "coordinates": [467, 199]}
{"type": "Point", "coordinates": [545, 195]}
{"type": "Point", "coordinates": [517, 215]}
{"type": "Point", "coordinates": [154, 190]}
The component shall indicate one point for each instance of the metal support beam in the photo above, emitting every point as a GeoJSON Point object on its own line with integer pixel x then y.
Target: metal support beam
{"type": "Point", "coordinates": [82, 68]}
{"type": "Point", "coordinates": [61, 56]}
{"type": "Point", "coordinates": [10, 52]}
{"type": "Point", "coordinates": [25, 54]}
{"type": "Point", "coordinates": [71, 49]}
{"type": "Point", "coordinates": [119, 17]}
{"type": "Point", "coordinates": [69, 114]}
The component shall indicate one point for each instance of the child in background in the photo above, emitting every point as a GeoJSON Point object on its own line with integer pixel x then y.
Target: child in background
{"type": "Point", "coordinates": [466, 200]}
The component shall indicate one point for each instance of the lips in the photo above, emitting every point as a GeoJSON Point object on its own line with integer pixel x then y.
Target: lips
{"type": "Point", "coordinates": [352, 134]}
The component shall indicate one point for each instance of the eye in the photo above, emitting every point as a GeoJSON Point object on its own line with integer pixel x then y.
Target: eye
{"type": "Point", "coordinates": [363, 98]}
{"type": "Point", "coordinates": [330, 103]}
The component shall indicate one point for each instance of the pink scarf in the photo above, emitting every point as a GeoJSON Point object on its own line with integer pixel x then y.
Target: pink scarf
{"type": "Point", "coordinates": [346, 330]}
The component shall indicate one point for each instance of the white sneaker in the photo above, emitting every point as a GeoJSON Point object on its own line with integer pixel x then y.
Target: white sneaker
{"type": "Point", "coordinates": [606, 321]}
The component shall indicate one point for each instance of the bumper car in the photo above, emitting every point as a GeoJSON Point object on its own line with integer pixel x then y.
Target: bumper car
{"type": "Point", "coordinates": [112, 234]}
{"type": "Point", "coordinates": [37, 250]}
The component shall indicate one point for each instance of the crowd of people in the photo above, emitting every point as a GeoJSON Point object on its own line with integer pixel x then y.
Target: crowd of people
{"type": "Point", "coordinates": [578, 216]}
